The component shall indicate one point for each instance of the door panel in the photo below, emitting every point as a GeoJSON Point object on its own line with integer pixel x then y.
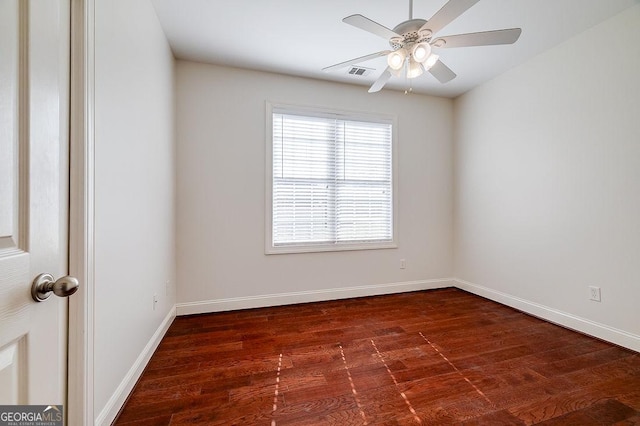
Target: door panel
{"type": "Point", "coordinates": [8, 128]}
{"type": "Point", "coordinates": [12, 372]}
{"type": "Point", "coordinates": [10, 163]}
{"type": "Point", "coordinates": [34, 86]}
{"type": "Point", "coordinates": [14, 302]}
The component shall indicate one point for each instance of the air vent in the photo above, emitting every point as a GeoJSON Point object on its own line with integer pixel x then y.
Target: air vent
{"type": "Point", "coordinates": [359, 71]}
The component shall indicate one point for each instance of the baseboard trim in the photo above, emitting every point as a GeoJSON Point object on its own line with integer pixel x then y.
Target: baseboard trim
{"type": "Point", "coordinates": [583, 325]}
{"type": "Point", "coordinates": [266, 300]}
{"type": "Point", "coordinates": [119, 397]}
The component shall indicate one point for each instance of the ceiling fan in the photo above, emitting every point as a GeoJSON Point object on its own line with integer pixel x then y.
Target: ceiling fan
{"type": "Point", "coordinates": [412, 43]}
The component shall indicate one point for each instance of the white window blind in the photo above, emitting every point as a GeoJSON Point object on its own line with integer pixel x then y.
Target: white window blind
{"type": "Point", "coordinates": [332, 180]}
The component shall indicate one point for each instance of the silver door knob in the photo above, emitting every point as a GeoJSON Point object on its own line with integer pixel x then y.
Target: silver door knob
{"type": "Point", "coordinates": [44, 285]}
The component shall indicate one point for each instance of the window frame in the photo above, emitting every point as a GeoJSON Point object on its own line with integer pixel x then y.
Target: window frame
{"type": "Point", "coordinates": [342, 115]}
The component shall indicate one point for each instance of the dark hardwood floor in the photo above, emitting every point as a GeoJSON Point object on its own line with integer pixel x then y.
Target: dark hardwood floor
{"type": "Point", "coordinates": [430, 357]}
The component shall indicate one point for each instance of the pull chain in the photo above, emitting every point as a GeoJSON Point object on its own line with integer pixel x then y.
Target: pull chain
{"type": "Point", "coordinates": [409, 90]}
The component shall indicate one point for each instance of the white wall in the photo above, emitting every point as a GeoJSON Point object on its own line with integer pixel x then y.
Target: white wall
{"type": "Point", "coordinates": [134, 195]}
{"type": "Point", "coordinates": [547, 183]}
{"type": "Point", "coordinates": [221, 194]}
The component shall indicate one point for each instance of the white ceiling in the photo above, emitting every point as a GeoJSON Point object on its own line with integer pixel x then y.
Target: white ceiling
{"type": "Point", "coordinates": [300, 37]}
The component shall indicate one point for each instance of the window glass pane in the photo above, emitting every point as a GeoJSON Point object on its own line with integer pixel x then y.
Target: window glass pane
{"type": "Point", "coordinates": [302, 211]}
{"type": "Point", "coordinates": [303, 147]}
{"type": "Point", "coordinates": [363, 212]}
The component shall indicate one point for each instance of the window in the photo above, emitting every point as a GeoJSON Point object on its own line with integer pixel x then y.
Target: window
{"type": "Point", "coordinates": [330, 180]}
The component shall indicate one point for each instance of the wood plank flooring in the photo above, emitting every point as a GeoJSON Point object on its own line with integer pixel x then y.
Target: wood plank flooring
{"type": "Point", "coordinates": [431, 357]}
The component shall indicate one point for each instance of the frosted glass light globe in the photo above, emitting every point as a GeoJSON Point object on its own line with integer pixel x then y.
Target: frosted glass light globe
{"type": "Point", "coordinates": [421, 52]}
{"type": "Point", "coordinates": [414, 70]}
{"type": "Point", "coordinates": [431, 61]}
{"type": "Point", "coordinates": [396, 59]}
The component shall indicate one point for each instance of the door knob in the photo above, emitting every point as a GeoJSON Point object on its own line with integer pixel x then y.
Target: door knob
{"type": "Point", "coordinates": [43, 285]}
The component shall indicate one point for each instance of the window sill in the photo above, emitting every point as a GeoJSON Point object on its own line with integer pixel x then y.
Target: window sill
{"type": "Point", "coordinates": [291, 249]}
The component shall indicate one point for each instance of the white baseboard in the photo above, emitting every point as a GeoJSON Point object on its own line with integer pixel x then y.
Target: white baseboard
{"type": "Point", "coordinates": [266, 300]}
{"type": "Point", "coordinates": [117, 400]}
{"type": "Point", "coordinates": [583, 325]}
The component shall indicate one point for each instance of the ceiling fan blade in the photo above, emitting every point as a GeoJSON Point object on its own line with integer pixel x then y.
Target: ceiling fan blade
{"type": "Point", "coordinates": [381, 81]}
{"type": "Point", "coordinates": [486, 38]}
{"type": "Point", "coordinates": [356, 60]}
{"type": "Point", "coordinates": [367, 24]}
{"type": "Point", "coordinates": [442, 72]}
{"type": "Point", "coordinates": [450, 11]}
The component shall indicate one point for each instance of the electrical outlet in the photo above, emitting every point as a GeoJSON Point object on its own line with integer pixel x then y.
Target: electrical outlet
{"type": "Point", "coordinates": [594, 293]}
{"type": "Point", "coordinates": [155, 301]}
{"type": "Point", "coordinates": [403, 263]}
{"type": "Point", "coordinates": [166, 288]}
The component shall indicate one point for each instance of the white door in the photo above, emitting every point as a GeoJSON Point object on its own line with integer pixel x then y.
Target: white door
{"type": "Point", "coordinates": [34, 116]}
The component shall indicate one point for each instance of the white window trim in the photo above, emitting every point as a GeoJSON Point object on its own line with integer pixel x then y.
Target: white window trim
{"type": "Point", "coordinates": [343, 114]}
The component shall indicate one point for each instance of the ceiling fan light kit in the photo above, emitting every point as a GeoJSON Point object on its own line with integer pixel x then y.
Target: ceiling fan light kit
{"type": "Point", "coordinates": [412, 44]}
{"type": "Point", "coordinates": [421, 52]}
{"type": "Point", "coordinates": [396, 59]}
{"type": "Point", "coordinates": [431, 61]}
{"type": "Point", "coordinates": [414, 69]}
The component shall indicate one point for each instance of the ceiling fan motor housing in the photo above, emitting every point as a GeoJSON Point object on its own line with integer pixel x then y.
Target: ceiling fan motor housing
{"type": "Point", "coordinates": [410, 32]}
